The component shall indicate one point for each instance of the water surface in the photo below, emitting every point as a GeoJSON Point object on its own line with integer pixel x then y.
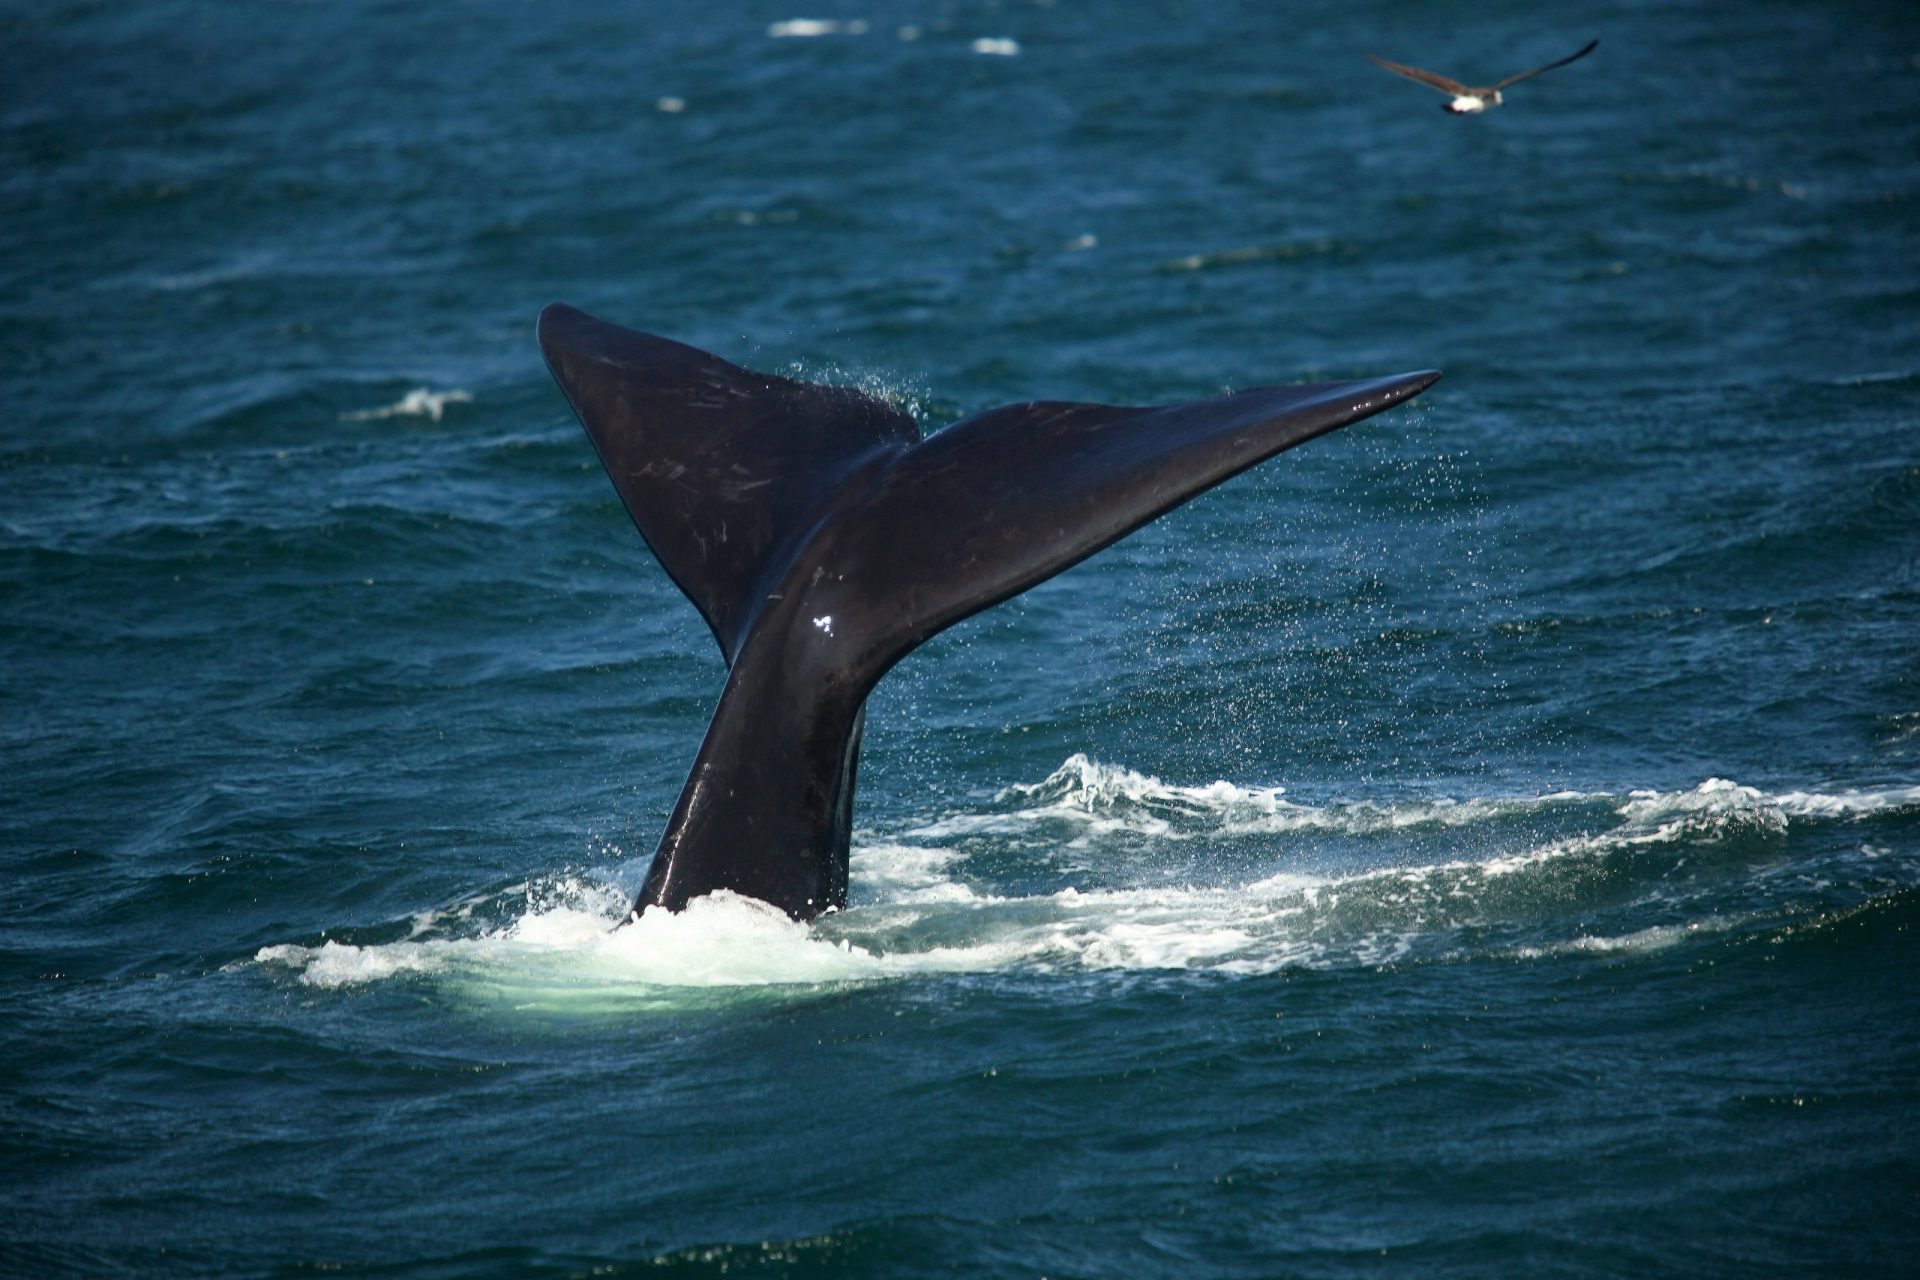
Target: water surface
{"type": "Point", "coordinates": [1486, 841]}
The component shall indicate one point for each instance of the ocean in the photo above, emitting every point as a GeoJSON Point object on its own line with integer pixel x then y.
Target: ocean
{"type": "Point", "coordinates": [1485, 841]}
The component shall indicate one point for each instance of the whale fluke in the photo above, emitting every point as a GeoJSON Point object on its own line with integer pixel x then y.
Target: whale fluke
{"type": "Point", "coordinates": [823, 539]}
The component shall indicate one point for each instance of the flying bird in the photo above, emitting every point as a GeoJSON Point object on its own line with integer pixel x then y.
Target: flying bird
{"type": "Point", "coordinates": [1468, 101]}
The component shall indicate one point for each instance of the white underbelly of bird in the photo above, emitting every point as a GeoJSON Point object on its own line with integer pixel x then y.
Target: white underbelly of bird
{"type": "Point", "coordinates": [1466, 99]}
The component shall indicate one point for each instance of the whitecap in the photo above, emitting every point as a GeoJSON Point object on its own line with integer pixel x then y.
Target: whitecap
{"type": "Point", "coordinates": [1714, 809]}
{"type": "Point", "coordinates": [810, 28]}
{"type": "Point", "coordinates": [1850, 803]}
{"type": "Point", "coordinates": [1106, 798]}
{"type": "Point", "coordinates": [419, 402]}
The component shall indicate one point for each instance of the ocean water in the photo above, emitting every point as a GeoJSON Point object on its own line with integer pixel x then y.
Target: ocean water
{"type": "Point", "coordinates": [1485, 841]}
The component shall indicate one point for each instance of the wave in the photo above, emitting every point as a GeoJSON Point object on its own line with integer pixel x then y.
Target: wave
{"type": "Point", "coordinates": [811, 28]}
{"type": "Point", "coordinates": [1108, 797]}
{"type": "Point", "coordinates": [419, 402]}
{"type": "Point", "coordinates": [240, 267]}
{"type": "Point", "coordinates": [1848, 804]}
{"type": "Point", "coordinates": [1636, 875]}
{"type": "Point", "coordinates": [1325, 247]}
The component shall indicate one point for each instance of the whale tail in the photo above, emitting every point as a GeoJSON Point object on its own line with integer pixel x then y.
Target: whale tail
{"type": "Point", "coordinates": [822, 540]}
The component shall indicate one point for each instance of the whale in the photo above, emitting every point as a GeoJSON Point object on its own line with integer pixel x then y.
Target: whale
{"type": "Point", "coordinates": [822, 538]}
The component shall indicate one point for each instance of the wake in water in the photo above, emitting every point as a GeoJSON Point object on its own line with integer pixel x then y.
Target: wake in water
{"type": "Point", "coordinates": [1008, 887]}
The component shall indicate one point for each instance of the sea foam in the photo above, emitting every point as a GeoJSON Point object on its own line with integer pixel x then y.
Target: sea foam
{"type": "Point", "coordinates": [419, 402]}
{"type": "Point", "coordinates": [809, 28]}
{"type": "Point", "coordinates": [570, 942]}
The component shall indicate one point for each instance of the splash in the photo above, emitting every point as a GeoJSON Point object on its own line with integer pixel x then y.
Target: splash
{"type": "Point", "coordinates": [573, 954]}
{"type": "Point", "coordinates": [1692, 859]}
{"type": "Point", "coordinates": [896, 392]}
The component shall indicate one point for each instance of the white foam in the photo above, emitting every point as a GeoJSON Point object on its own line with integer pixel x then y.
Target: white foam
{"type": "Point", "coordinates": [1105, 798]}
{"type": "Point", "coordinates": [1848, 804]}
{"type": "Point", "coordinates": [1713, 809]}
{"type": "Point", "coordinates": [572, 954]}
{"type": "Point", "coordinates": [721, 940]}
{"type": "Point", "coordinates": [908, 873]}
{"type": "Point", "coordinates": [419, 402]}
{"type": "Point", "coordinates": [1639, 942]}
{"type": "Point", "coordinates": [997, 47]}
{"type": "Point", "coordinates": [557, 944]}
{"type": "Point", "coordinates": [334, 964]}
{"type": "Point", "coordinates": [811, 28]}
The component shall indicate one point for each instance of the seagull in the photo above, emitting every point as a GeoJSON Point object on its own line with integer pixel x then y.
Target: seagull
{"type": "Point", "coordinates": [1468, 101]}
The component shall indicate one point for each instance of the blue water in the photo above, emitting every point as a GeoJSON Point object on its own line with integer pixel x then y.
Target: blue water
{"type": "Point", "coordinates": [1485, 841]}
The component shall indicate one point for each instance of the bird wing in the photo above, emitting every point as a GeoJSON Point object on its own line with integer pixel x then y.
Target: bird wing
{"type": "Point", "coordinates": [1528, 75]}
{"type": "Point", "coordinates": [1428, 78]}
